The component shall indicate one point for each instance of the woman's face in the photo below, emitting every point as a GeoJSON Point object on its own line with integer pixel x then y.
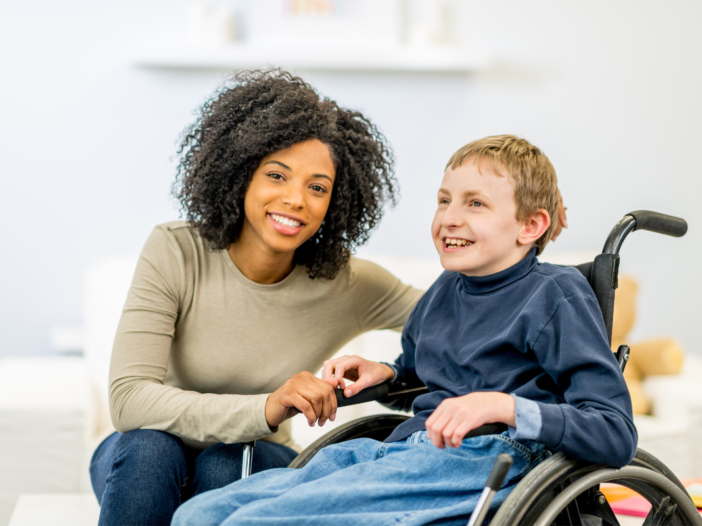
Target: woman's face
{"type": "Point", "coordinates": [288, 197]}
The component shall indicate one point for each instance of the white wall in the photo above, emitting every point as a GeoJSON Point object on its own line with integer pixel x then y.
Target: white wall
{"type": "Point", "coordinates": [610, 91]}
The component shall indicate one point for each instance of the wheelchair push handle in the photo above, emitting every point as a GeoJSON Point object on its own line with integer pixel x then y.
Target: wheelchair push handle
{"type": "Point", "coordinates": [369, 394]}
{"type": "Point", "coordinates": [660, 223]}
{"type": "Point", "coordinates": [643, 220]}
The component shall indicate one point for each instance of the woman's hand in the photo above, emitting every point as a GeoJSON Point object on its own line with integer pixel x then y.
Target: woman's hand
{"type": "Point", "coordinates": [305, 393]}
{"type": "Point", "coordinates": [365, 373]}
{"type": "Point", "coordinates": [455, 417]}
{"type": "Point", "coordinates": [562, 220]}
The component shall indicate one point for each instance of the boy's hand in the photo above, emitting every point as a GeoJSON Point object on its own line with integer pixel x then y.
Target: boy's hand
{"type": "Point", "coordinates": [365, 373]}
{"type": "Point", "coordinates": [455, 417]}
{"type": "Point", "coordinates": [305, 393]}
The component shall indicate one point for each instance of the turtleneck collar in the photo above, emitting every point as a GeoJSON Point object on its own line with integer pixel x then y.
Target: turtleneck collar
{"type": "Point", "coordinates": [491, 282]}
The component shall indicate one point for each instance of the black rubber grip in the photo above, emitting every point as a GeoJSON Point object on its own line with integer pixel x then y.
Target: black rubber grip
{"type": "Point", "coordinates": [499, 471]}
{"type": "Point", "coordinates": [660, 223]}
{"type": "Point", "coordinates": [369, 394]}
{"type": "Point", "coordinates": [487, 429]}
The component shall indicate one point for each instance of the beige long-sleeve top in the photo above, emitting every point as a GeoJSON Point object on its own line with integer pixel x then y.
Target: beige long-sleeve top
{"type": "Point", "coordinates": [199, 346]}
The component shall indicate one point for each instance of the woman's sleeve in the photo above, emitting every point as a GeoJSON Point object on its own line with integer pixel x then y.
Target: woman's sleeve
{"type": "Point", "coordinates": [138, 397]}
{"type": "Point", "coordinates": [380, 300]}
{"type": "Point", "coordinates": [595, 423]}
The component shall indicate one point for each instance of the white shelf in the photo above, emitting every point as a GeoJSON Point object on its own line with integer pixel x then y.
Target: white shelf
{"type": "Point", "coordinates": [400, 59]}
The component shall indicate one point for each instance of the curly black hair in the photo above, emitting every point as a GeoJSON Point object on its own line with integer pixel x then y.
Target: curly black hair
{"type": "Point", "coordinates": [256, 113]}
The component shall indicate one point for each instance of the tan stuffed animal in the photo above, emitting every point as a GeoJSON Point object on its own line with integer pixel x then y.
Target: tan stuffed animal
{"type": "Point", "coordinates": [659, 356]}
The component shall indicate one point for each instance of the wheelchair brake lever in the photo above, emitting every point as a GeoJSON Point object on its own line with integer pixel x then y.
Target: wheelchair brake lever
{"type": "Point", "coordinates": [494, 483]}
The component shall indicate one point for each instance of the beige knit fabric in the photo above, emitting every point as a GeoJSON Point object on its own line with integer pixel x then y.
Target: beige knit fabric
{"type": "Point", "coordinates": [199, 346]}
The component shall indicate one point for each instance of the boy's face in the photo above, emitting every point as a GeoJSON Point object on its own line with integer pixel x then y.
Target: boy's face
{"type": "Point", "coordinates": [475, 228]}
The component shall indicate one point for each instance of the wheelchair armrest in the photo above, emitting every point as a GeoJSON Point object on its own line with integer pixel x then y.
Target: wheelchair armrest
{"type": "Point", "coordinates": [378, 393]}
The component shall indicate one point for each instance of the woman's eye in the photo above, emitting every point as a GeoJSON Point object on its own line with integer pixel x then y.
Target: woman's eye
{"type": "Point", "coordinates": [275, 175]}
{"type": "Point", "coordinates": [444, 201]}
{"type": "Point", "coordinates": [318, 188]}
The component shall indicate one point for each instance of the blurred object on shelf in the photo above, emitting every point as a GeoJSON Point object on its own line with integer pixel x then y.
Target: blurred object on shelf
{"type": "Point", "coordinates": [211, 24]}
{"type": "Point", "coordinates": [343, 24]}
{"type": "Point", "coordinates": [429, 24]}
{"type": "Point", "coordinates": [315, 35]}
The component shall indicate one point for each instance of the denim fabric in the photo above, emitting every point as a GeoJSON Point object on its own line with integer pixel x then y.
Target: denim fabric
{"type": "Point", "coordinates": [528, 419]}
{"type": "Point", "coordinates": [142, 476]}
{"type": "Point", "coordinates": [363, 481]}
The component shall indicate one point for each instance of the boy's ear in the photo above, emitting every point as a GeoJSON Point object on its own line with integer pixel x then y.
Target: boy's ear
{"type": "Point", "coordinates": [534, 227]}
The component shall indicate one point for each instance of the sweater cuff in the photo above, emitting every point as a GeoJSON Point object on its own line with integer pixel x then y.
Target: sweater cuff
{"type": "Point", "coordinates": [261, 423]}
{"type": "Point", "coordinates": [528, 421]}
{"type": "Point", "coordinates": [552, 425]}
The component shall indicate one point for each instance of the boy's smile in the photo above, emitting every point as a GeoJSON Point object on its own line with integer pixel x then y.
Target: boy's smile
{"type": "Point", "coordinates": [475, 229]}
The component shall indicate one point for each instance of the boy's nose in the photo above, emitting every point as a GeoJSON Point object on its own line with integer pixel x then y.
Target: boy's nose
{"type": "Point", "coordinates": [452, 217]}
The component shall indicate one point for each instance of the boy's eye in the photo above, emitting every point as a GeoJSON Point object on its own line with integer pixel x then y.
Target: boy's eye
{"type": "Point", "coordinates": [444, 201]}
{"type": "Point", "coordinates": [476, 203]}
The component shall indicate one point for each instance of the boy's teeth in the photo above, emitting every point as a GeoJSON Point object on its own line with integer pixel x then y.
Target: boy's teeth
{"type": "Point", "coordinates": [457, 242]}
{"type": "Point", "coordinates": [285, 221]}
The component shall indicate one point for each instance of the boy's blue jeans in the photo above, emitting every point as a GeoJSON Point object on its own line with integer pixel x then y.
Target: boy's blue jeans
{"type": "Point", "coordinates": [364, 481]}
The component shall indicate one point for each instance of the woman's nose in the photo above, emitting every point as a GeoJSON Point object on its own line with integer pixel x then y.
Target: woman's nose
{"type": "Point", "coordinates": [294, 197]}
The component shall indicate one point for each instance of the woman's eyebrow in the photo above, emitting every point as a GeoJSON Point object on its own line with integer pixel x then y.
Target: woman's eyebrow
{"type": "Point", "coordinates": [290, 169]}
{"type": "Point", "coordinates": [281, 164]}
{"type": "Point", "coordinates": [324, 176]}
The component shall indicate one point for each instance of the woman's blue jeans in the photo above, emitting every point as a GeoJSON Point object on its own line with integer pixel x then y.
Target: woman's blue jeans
{"type": "Point", "coordinates": [142, 476]}
{"type": "Point", "coordinates": [367, 482]}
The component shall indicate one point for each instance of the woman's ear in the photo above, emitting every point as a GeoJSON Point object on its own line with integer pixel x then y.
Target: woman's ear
{"type": "Point", "coordinates": [534, 227]}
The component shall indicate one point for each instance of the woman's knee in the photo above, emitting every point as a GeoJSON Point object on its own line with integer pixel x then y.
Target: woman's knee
{"type": "Point", "coordinates": [148, 445]}
{"type": "Point", "coordinates": [151, 454]}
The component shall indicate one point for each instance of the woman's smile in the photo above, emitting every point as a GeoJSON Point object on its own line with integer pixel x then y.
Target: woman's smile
{"type": "Point", "coordinates": [286, 224]}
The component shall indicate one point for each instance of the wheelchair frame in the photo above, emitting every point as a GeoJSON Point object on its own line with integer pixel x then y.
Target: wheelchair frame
{"type": "Point", "coordinates": [560, 490]}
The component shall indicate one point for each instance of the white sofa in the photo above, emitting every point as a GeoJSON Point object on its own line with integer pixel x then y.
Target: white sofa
{"type": "Point", "coordinates": [53, 411]}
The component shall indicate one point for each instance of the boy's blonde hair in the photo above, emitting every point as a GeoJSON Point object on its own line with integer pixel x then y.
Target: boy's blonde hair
{"type": "Point", "coordinates": [532, 174]}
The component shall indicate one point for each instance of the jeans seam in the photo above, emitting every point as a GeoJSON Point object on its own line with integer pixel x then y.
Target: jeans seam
{"type": "Point", "coordinates": [516, 445]}
{"type": "Point", "coordinates": [411, 515]}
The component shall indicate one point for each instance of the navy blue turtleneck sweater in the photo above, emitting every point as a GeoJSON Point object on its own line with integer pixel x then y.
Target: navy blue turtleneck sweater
{"type": "Point", "coordinates": [535, 331]}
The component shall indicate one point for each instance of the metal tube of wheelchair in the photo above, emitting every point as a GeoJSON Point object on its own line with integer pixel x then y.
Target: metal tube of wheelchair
{"type": "Point", "coordinates": [492, 486]}
{"type": "Point", "coordinates": [247, 459]}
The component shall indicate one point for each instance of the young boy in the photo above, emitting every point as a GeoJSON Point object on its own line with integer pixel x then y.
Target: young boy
{"type": "Point", "coordinates": [497, 338]}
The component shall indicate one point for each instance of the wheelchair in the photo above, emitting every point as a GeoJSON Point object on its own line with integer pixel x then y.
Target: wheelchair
{"type": "Point", "coordinates": [560, 490]}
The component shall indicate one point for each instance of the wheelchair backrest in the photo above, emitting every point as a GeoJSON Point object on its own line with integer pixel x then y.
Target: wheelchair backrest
{"type": "Point", "coordinates": [602, 275]}
{"type": "Point", "coordinates": [603, 272]}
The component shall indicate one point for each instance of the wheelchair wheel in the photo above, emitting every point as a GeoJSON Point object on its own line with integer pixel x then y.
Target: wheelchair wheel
{"type": "Point", "coordinates": [562, 490]}
{"type": "Point", "coordinates": [377, 427]}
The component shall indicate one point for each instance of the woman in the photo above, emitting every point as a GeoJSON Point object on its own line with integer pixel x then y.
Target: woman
{"type": "Point", "coordinates": [228, 309]}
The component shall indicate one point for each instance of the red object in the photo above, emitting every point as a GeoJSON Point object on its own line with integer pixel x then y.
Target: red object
{"type": "Point", "coordinates": [635, 506]}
